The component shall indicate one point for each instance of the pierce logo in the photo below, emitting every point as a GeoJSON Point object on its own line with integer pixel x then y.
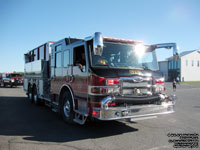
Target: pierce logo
{"type": "Point", "coordinates": [134, 71]}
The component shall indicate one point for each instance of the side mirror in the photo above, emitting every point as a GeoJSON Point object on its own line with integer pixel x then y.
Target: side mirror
{"type": "Point", "coordinates": [98, 44]}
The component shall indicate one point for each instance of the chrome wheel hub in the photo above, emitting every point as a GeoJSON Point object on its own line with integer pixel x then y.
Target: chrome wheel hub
{"type": "Point", "coordinates": [66, 108]}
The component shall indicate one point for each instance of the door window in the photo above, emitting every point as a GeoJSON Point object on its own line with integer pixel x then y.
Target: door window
{"type": "Point", "coordinates": [66, 58]}
{"type": "Point", "coordinates": [58, 56]}
{"type": "Point", "coordinates": [79, 57]}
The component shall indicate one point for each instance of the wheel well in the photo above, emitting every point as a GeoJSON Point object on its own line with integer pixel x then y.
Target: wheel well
{"type": "Point", "coordinates": [66, 89]}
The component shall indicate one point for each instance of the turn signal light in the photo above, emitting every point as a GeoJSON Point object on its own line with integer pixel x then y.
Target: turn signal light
{"type": "Point", "coordinates": [111, 104]}
{"type": "Point", "coordinates": [94, 113]}
{"type": "Point", "coordinates": [159, 82]}
{"type": "Point", "coordinates": [98, 90]}
{"type": "Point", "coordinates": [112, 82]}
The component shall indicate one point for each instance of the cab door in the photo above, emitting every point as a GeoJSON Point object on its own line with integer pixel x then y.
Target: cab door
{"type": "Point", "coordinates": [79, 83]}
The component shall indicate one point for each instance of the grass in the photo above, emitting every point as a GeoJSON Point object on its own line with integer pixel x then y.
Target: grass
{"type": "Point", "coordinates": [192, 82]}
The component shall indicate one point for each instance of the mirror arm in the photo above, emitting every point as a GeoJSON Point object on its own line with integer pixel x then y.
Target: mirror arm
{"type": "Point", "coordinates": [169, 46]}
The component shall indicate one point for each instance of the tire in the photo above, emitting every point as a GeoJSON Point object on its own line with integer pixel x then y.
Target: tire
{"type": "Point", "coordinates": [66, 107]}
{"type": "Point", "coordinates": [35, 96]}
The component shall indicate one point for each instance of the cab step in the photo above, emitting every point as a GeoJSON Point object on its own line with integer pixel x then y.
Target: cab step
{"type": "Point", "coordinates": [80, 118]}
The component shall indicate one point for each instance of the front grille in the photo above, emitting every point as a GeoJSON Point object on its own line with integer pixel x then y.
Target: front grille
{"type": "Point", "coordinates": [136, 89]}
{"type": "Point", "coordinates": [131, 84]}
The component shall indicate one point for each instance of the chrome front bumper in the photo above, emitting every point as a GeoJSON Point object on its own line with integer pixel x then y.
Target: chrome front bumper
{"type": "Point", "coordinates": [135, 111]}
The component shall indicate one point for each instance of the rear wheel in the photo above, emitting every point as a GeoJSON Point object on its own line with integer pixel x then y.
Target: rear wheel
{"type": "Point", "coordinates": [66, 107]}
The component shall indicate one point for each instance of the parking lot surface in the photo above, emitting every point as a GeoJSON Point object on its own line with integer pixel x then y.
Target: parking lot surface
{"type": "Point", "coordinates": [25, 126]}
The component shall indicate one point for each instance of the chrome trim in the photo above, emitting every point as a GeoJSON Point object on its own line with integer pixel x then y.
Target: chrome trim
{"type": "Point", "coordinates": [98, 44]}
{"type": "Point", "coordinates": [71, 78]}
{"type": "Point", "coordinates": [136, 82]}
{"type": "Point", "coordinates": [105, 100]}
{"type": "Point", "coordinates": [105, 87]}
{"type": "Point", "coordinates": [138, 116]}
{"type": "Point", "coordinates": [66, 108]}
{"type": "Point", "coordinates": [166, 106]}
{"type": "Point", "coordinates": [133, 78]}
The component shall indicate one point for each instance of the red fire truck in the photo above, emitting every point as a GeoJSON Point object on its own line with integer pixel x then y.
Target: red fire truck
{"type": "Point", "coordinates": [11, 79]}
{"type": "Point", "coordinates": [98, 77]}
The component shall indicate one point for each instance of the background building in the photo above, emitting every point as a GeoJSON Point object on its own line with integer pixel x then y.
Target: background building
{"type": "Point", "coordinates": [187, 67]}
{"type": "Point", "coordinates": [163, 69]}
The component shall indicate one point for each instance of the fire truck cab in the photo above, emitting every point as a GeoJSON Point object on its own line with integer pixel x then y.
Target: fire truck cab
{"type": "Point", "coordinates": [98, 77]}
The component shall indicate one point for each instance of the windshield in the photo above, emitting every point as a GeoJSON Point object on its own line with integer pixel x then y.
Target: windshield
{"type": "Point", "coordinates": [123, 55]}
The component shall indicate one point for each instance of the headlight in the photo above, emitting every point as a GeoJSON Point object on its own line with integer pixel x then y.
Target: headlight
{"type": "Point", "coordinates": [101, 90]}
{"type": "Point", "coordinates": [110, 90]}
{"type": "Point", "coordinates": [113, 90]}
{"type": "Point", "coordinates": [12, 80]}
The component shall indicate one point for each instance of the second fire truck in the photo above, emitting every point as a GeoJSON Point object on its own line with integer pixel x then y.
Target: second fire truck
{"type": "Point", "coordinates": [98, 77]}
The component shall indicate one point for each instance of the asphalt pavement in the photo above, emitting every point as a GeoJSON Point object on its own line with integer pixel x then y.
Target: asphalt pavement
{"type": "Point", "coordinates": [25, 126]}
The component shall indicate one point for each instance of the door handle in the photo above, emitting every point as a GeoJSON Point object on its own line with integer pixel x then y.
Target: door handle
{"type": "Point", "coordinates": [71, 78]}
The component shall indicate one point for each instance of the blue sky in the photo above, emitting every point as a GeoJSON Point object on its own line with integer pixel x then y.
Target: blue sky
{"type": "Point", "coordinates": [26, 24]}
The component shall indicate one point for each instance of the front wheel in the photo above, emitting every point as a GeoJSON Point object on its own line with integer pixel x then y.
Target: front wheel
{"type": "Point", "coordinates": [66, 107]}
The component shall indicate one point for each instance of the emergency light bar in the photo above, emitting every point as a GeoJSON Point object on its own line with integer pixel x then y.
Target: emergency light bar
{"type": "Point", "coordinates": [111, 39]}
